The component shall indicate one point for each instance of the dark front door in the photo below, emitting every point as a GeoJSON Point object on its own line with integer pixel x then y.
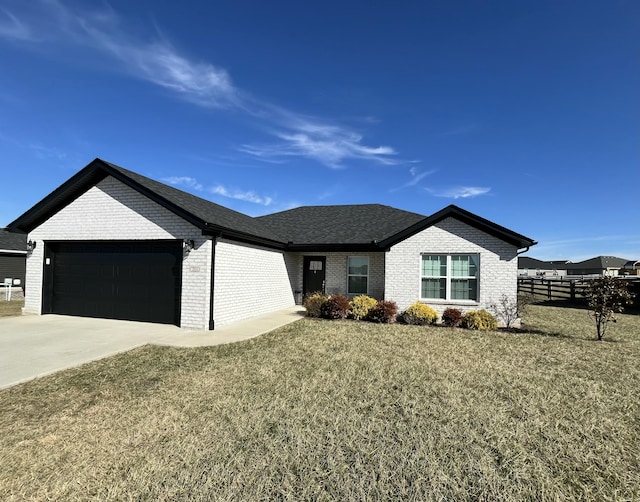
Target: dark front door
{"type": "Point", "coordinates": [133, 280]}
{"type": "Point", "coordinates": [314, 274]}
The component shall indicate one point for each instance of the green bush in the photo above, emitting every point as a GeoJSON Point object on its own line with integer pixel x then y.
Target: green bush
{"type": "Point", "coordinates": [336, 307]}
{"type": "Point", "coordinates": [385, 311]}
{"type": "Point", "coordinates": [420, 314]}
{"type": "Point", "coordinates": [479, 319]}
{"type": "Point", "coordinates": [452, 317]}
{"type": "Point", "coordinates": [360, 306]}
{"type": "Point", "coordinates": [313, 302]}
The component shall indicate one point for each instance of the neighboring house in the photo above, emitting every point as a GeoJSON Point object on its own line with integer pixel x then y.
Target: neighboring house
{"type": "Point", "coordinates": [600, 265]}
{"type": "Point", "coordinates": [532, 267]}
{"type": "Point", "coordinates": [112, 243]}
{"type": "Point", "coordinates": [13, 258]}
{"type": "Point", "coordinates": [631, 268]}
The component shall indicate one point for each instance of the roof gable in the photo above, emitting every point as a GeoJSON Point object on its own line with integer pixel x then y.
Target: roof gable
{"type": "Point", "coordinates": [453, 211]}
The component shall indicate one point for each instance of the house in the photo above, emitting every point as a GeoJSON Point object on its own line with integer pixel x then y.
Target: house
{"type": "Point", "coordinates": [112, 243]}
{"type": "Point", "coordinates": [632, 267]}
{"type": "Point", "coordinates": [600, 265]}
{"type": "Point", "coordinates": [532, 267]}
{"type": "Point", "coordinates": [13, 259]}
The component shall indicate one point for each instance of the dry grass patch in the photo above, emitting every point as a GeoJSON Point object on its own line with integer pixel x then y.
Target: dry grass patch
{"type": "Point", "coordinates": [12, 308]}
{"type": "Point", "coordinates": [339, 411]}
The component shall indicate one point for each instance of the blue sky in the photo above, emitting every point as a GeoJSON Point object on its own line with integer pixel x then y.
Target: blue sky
{"type": "Point", "coordinates": [526, 113]}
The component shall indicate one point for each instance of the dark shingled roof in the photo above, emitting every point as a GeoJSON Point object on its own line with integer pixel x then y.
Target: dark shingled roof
{"type": "Point", "coordinates": [598, 263]}
{"type": "Point", "coordinates": [11, 241]}
{"type": "Point", "coordinates": [205, 210]}
{"type": "Point", "coordinates": [363, 227]}
{"type": "Point", "coordinates": [529, 262]}
{"type": "Point", "coordinates": [349, 224]}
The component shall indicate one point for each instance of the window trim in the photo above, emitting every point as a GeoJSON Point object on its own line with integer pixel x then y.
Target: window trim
{"type": "Point", "coordinates": [448, 278]}
{"type": "Point", "coordinates": [368, 274]}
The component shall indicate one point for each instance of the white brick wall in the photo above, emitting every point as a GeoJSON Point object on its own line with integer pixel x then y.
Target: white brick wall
{"type": "Point", "coordinates": [114, 211]}
{"type": "Point", "coordinates": [336, 273]}
{"type": "Point", "coordinates": [498, 264]}
{"type": "Point", "coordinates": [249, 281]}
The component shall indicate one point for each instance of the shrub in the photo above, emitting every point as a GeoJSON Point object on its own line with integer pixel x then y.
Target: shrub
{"type": "Point", "coordinates": [508, 309]}
{"type": "Point", "coordinates": [336, 307]}
{"type": "Point", "coordinates": [605, 297]}
{"type": "Point", "coordinates": [420, 314]}
{"type": "Point", "coordinates": [452, 317]}
{"type": "Point", "coordinates": [385, 311]}
{"type": "Point", "coordinates": [313, 302]}
{"type": "Point", "coordinates": [360, 306]}
{"type": "Point", "coordinates": [479, 319]}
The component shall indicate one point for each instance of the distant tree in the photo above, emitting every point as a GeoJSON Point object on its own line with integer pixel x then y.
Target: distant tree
{"type": "Point", "coordinates": [606, 296]}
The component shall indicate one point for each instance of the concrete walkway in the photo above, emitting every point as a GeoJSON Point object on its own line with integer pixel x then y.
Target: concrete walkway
{"type": "Point", "coordinates": [34, 346]}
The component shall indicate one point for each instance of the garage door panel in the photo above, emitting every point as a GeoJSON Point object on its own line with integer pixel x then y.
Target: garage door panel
{"type": "Point", "coordinates": [138, 281]}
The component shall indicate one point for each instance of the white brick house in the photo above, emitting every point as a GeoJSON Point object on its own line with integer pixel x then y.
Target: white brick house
{"type": "Point", "coordinates": [111, 243]}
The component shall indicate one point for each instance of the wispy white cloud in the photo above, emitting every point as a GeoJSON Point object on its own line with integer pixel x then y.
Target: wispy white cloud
{"type": "Point", "coordinates": [13, 28]}
{"type": "Point", "coordinates": [416, 177]}
{"type": "Point", "coordinates": [327, 194]}
{"type": "Point", "coordinates": [461, 192]}
{"type": "Point", "coordinates": [156, 61]}
{"type": "Point", "coordinates": [43, 152]}
{"type": "Point", "coordinates": [248, 196]}
{"type": "Point", "coordinates": [40, 151]}
{"type": "Point", "coordinates": [184, 181]}
{"type": "Point", "coordinates": [160, 63]}
{"type": "Point", "coordinates": [585, 247]}
{"type": "Point", "coordinates": [194, 184]}
{"type": "Point", "coordinates": [330, 144]}
{"type": "Point", "coordinates": [331, 148]}
{"type": "Point", "coordinates": [591, 238]}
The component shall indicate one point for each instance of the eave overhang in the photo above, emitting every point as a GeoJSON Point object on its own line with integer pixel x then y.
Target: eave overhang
{"type": "Point", "coordinates": [335, 248]}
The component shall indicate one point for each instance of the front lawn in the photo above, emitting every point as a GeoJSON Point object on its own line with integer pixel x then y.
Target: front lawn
{"type": "Point", "coordinates": [340, 411]}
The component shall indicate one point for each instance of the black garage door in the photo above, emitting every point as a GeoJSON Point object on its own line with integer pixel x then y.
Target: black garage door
{"type": "Point", "coordinates": [132, 280]}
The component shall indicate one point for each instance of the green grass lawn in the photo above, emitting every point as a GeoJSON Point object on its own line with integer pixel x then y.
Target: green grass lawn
{"type": "Point", "coordinates": [340, 411]}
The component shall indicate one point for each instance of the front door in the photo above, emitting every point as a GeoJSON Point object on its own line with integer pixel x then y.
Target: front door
{"type": "Point", "coordinates": [314, 274]}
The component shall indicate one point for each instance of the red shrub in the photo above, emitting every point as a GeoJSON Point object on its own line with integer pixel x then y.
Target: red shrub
{"type": "Point", "coordinates": [385, 311]}
{"type": "Point", "coordinates": [336, 307]}
{"type": "Point", "coordinates": [452, 317]}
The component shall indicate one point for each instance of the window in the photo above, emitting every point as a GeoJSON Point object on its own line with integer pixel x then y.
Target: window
{"type": "Point", "coordinates": [357, 275]}
{"type": "Point", "coordinates": [315, 266]}
{"type": "Point", "coordinates": [449, 277]}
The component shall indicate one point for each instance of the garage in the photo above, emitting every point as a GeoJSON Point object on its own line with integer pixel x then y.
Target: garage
{"type": "Point", "coordinates": [128, 280]}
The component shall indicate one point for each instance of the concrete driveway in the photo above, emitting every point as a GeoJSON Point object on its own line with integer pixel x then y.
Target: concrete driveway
{"type": "Point", "coordinates": [33, 346]}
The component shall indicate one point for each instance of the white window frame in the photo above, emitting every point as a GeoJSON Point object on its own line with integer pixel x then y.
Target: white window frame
{"type": "Point", "coordinates": [449, 277]}
{"type": "Point", "coordinates": [358, 275]}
